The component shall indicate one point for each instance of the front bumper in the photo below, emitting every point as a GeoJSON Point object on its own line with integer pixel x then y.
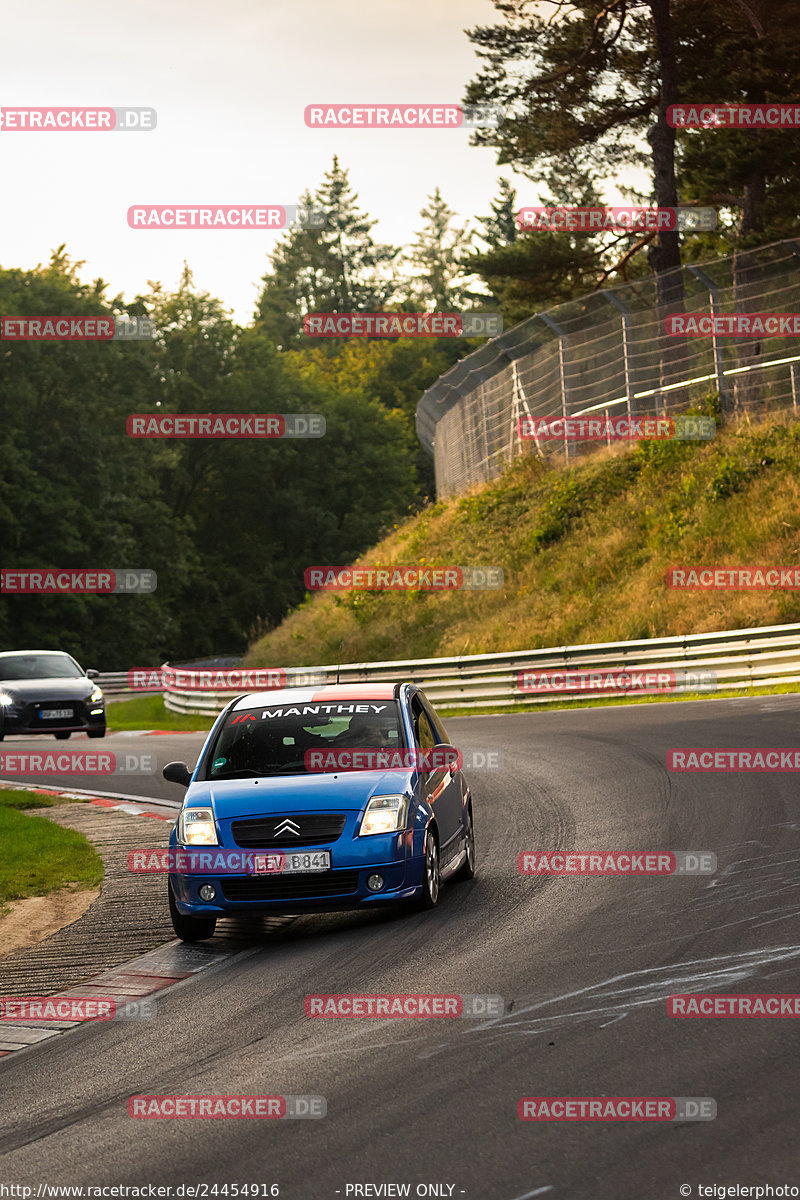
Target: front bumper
{"type": "Point", "coordinates": [26, 719]}
{"type": "Point", "coordinates": [343, 887]}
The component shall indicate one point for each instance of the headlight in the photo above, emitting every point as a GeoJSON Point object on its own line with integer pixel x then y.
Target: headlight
{"type": "Point", "coordinates": [5, 700]}
{"type": "Point", "coordinates": [385, 814]}
{"type": "Point", "coordinates": [96, 696]}
{"type": "Point", "coordinates": [196, 827]}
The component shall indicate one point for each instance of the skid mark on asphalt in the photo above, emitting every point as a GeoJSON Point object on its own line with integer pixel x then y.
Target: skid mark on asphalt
{"type": "Point", "coordinates": [614, 998]}
{"type": "Point", "coordinates": [750, 890]}
{"type": "Point", "coordinates": [744, 887]}
{"type": "Point", "coordinates": [638, 989]}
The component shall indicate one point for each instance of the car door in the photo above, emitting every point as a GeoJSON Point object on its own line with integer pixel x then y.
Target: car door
{"type": "Point", "coordinates": [442, 790]}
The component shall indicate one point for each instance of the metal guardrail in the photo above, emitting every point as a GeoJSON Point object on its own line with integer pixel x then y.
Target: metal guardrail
{"type": "Point", "coordinates": [703, 662]}
{"type": "Point", "coordinates": [115, 683]}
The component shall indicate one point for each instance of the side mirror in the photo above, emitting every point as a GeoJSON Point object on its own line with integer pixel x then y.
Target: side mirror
{"type": "Point", "coordinates": [177, 772]}
{"type": "Point", "coordinates": [443, 756]}
{"type": "Point", "coordinates": [92, 674]}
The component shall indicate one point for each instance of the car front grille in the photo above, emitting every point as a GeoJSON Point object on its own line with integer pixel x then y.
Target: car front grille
{"type": "Point", "coordinates": [306, 887]}
{"type": "Point", "coordinates": [306, 829]}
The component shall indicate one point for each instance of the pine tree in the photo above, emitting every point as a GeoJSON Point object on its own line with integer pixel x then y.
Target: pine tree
{"type": "Point", "coordinates": [500, 229]}
{"type": "Point", "coordinates": [339, 268]}
{"type": "Point", "coordinates": [436, 258]}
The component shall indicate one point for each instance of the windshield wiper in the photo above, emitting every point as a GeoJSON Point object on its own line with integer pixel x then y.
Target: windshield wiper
{"type": "Point", "coordinates": [286, 769]}
{"type": "Point", "coordinates": [245, 772]}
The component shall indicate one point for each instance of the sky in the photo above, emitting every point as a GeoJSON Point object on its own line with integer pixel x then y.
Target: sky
{"type": "Point", "coordinates": [230, 82]}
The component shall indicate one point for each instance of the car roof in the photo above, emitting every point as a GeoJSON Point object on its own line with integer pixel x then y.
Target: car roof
{"type": "Point", "coordinates": [23, 652]}
{"type": "Point", "coordinates": [328, 694]}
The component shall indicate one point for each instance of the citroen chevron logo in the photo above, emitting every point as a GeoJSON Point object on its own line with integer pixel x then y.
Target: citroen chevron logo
{"type": "Point", "coordinates": [287, 827]}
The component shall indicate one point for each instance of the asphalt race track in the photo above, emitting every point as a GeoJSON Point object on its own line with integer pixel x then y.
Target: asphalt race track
{"type": "Point", "coordinates": [584, 966]}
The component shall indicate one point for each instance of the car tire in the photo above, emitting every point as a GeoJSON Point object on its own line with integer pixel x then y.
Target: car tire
{"type": "Point", "coordinates": [431, 872]}
{"type": "Point", "coordinates": [61, 737]}
{"type": "Point", "coordinates": [467, 869]}
{"type": "Point", "coordinates": [190, 929]}
{"type": "Point", "coordinates": [96, 732]}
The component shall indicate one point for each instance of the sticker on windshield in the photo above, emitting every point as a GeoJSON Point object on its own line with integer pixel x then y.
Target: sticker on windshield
{"type": "Point", "coordinates": [310, 710]}
{"type": "Point", "coordinates": [219, 762]}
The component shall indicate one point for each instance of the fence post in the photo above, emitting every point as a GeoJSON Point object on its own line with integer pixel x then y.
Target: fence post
{"type": "Point", "coordinates": [561, 334]}
{"type": "Point", "coordinates": [713, 302]}
{"type": "Point", "coordinates": [520, 402]}
{"type": "Point", "coordinates": [626, 355]}
{"type": "Point", "coordinates": [795, 249]}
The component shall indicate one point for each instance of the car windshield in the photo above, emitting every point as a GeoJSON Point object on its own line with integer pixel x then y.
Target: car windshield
{"type": "Point", "coordinates": [37, 666]}
{"type": "Point", "coordinates": [275, 740]}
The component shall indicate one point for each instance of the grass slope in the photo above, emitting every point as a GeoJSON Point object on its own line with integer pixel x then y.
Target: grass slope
{"type": "Point", "coordinates": [584, 548]}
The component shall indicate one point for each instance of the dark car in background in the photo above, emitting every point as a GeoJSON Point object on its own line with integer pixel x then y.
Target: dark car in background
{"type": "Point", "coordinates": [46, 691]}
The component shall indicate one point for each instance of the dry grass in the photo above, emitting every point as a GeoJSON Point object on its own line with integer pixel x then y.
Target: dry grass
{"type": "Point", "coordinates": [585, 550]}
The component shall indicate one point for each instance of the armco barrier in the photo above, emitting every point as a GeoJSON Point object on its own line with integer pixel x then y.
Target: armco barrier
{"type": "Point", "coordinates": [739, 658]}
{"type": "Point", "coordinates": [115, 683]}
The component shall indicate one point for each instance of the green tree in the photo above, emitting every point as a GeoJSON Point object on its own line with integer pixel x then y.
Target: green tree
{"type": "Point", "coordinates": [583, 84]}
{"type": "Point", "coordinates": [534, 270]}
{"type": "Point", "coordinates": [340, 268]}
{"type": "Point", "coordinates": [500, 228]}
{"type": "Point", "coordinates": [75, 491]}
{"type": "Point", "coordinates": [436, 258]}
{"type": "Point", "coordinates": [742, 52]}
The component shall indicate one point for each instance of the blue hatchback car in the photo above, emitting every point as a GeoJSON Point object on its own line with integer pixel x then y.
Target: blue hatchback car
{"type": "Point", "coordinates": [319, 799]}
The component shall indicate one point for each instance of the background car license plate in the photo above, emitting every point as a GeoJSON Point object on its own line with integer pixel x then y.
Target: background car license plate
{"type": "Point", "coordinates": [294, 864]}
{"type": "Point", "coordinates": [53, 714]}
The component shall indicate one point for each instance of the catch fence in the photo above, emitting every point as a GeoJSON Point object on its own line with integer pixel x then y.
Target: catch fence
{"type": "Point", "coordinates": [608, 353]}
